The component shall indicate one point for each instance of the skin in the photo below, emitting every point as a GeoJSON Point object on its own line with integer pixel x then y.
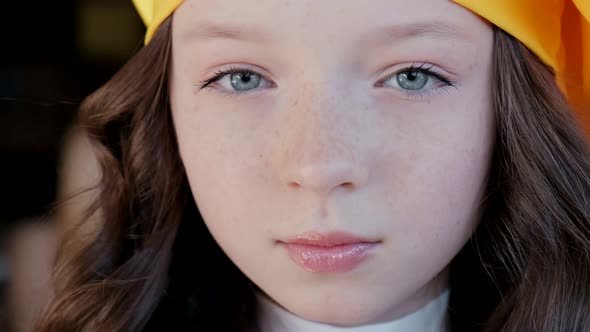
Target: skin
{"type": "Point", "coordinates": [323, 146]}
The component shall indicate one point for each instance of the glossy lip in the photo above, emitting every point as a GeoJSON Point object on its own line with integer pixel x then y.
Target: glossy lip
{"type": "Point", "coordinates": [329, 252]}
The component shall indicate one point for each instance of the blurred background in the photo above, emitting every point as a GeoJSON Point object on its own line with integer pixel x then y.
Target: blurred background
{"type": "Point", "coordinates": [52, 54]}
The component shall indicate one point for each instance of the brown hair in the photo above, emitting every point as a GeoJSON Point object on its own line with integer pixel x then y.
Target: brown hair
{"type": "Point", "coordinates": [526, 268]}
{"type": "Point", "coordinates": [530, 257]}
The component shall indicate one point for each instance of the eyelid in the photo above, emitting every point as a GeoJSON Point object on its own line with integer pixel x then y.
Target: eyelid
{"type": "Point", "coordinates": [447, 80]}
{"type": "Point", "coordinates": [220, 73]}
{"type": "Point", "coordinates": [425, 67]}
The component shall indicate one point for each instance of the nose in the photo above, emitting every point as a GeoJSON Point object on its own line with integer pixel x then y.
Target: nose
{"type": "Point", "coordinates": [321, 147]}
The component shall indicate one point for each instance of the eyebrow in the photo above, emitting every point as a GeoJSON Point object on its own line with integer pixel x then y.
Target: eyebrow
{"type": "Point", "coordinates": [435, 29]}
{"type": "Point", "coordinates": [382, 35]}
{"type": "Point", "coordinates": [209, 30]}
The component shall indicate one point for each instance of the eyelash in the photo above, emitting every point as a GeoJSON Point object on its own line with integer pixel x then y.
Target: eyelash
{"type": "Point", "coordinates": [426, 69]}
{"type": "Point", "coordinates": [421, 68]}
{"type": "Point", "coordinates": [218, 75]}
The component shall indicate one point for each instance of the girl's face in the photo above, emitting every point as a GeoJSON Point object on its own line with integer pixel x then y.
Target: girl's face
{"type": "Point", "coordinates": [367, 123]}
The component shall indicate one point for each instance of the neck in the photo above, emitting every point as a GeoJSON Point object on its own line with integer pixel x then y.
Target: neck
{"type": "Point", "coordinates": [430, 318]}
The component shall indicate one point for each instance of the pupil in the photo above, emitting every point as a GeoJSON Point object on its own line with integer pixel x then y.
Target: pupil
{"type": "Point", "coordinates": [412, 80]}
{"type": "Point", "coordinates": [244, 81]}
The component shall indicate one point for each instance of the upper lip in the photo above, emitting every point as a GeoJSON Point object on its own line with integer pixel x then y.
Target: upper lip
{"type": "Point", "coordinates": [331, 239]}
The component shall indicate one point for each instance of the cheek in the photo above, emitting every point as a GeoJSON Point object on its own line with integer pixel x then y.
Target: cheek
{"type": "Point", "coordinates": [436, 194]}
{"type": "Point", "coordinates": [433, 177]}
{"type": "Point", "coordinates": [223, 166]}
{"type": "Point", "coordinates": [442, 207]}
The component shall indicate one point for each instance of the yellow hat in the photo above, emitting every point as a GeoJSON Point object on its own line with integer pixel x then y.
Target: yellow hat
{"type": "Point", "coordinates": [154, 12]}
{"type": "Point", "coordinates": [557, 31]}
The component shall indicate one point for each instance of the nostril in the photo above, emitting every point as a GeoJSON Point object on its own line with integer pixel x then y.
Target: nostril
{"type": "Point", "coordinates": [296, 185]}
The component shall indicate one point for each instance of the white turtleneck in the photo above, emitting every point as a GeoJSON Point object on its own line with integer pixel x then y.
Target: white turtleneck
{"type": "Point", "coordinates": [430, 318]}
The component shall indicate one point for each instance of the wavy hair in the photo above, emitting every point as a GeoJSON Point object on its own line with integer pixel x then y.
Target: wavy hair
{"type": "Point", "coordinates": [526, 268]}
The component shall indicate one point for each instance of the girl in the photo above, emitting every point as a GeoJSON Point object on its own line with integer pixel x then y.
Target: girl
{"type": "Point", "coordinates": [384, 165]}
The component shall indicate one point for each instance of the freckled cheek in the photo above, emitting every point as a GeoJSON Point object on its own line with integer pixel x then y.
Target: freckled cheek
{"type": "Point", "coordinates": [437, 195]}
{"type": "Point", "coordinates": [224, 166]}
{"type": "Point", "coordinates": [223, 194]}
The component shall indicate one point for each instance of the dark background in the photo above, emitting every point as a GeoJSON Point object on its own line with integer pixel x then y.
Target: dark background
{"type": "Point", "coordinates": [52, 54]}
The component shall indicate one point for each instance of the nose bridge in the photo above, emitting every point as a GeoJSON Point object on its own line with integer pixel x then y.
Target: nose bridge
{"type": "Point", "coordinates": [321, 146]}
{"type": "Point", "coordinates": [320, 115]}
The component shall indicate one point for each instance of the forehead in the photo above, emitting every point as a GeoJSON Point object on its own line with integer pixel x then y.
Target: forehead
{"type": "Point", "coordinates": [325, 20]}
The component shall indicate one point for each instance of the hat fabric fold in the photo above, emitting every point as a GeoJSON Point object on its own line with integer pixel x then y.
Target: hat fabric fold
{"type": "Point", "coordinates": [557, 31]}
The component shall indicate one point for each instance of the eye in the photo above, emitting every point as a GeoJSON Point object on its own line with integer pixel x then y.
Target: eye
{"type": "Point", "coordinates": [417, 79]}
{"type": "Point", "coordinates": [412, 80]}
{"type": "Point", "coordinates": [242, 81]}
{"type": "Point", "coordinates": [236, 80]}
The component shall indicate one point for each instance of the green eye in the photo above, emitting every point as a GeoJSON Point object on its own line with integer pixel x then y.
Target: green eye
{"type": "Point", "coordinates": [412, 80]}
{"type": "Point", "coordinates": [245, 81]}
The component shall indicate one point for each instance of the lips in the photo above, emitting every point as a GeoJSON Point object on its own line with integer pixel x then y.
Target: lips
{"type": "Point", "coordinates": [330, 252]}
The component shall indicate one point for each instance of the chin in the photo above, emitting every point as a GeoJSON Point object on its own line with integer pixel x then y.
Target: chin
{"type": "Point", "coordinates": [348, 307]}
{"type": "Point", "coordinates": [339, 314]}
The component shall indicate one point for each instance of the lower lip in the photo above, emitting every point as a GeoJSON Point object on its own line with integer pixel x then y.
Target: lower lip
{"type": "Point", "coordinates": [339, 258]}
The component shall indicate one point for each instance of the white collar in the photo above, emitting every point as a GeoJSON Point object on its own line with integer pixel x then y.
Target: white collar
{"type": "Point", "coordinates": [430, 318]}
